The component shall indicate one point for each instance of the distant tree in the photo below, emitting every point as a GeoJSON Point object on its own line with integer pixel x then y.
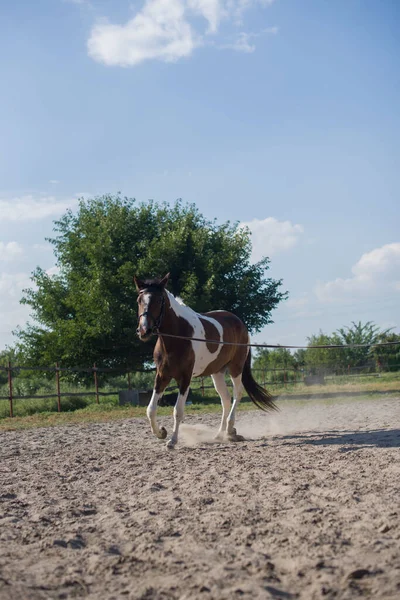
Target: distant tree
{"type": "Point", "coordinates": [277, 358]}
{"type": "Point", "coordinates": [323, 359]}
{"type": "Point", "coordinates": [299, 358]}
{"type": "Point", "coordinates": [10, 354]}
{"type": "Point", "coordinates": [387, 357]}
{"type": "Point", "coordinates": [337, 358]}
{"type": "Point", "coordinates": [360, 333]}
{"type": "Point", "coordinates": [88, 313]}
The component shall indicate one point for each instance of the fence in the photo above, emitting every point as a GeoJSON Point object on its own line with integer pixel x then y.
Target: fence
{"type": "Point", "coordinates": [285, 376]}
{"type": "Point", "coordinates": [10, 369]}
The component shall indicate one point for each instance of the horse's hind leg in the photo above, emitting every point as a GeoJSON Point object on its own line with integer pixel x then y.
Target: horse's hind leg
{"type": "Point", "coordinates": [160, 384]}
{"type": "Point", "coordinates": [223, 392]}
{"type": "Point", "coordinates": [237, 396]}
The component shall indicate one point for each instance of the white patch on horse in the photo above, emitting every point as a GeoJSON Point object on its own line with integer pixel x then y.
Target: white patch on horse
{"type": "Point", "coordinates": [145, 303]}
{"type": "Point", "coordinates": [203, 357]}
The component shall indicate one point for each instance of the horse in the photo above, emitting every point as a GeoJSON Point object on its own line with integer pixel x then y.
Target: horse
{"type": "Point", "coordinates": [195, 353]}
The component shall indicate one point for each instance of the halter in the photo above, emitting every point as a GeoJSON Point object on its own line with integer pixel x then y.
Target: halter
{"type": "Point", "coordinates": [157, 322]}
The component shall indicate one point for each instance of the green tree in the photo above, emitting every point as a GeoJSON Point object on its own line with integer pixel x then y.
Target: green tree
{"type": "Point", "coordinates": [323, 359]}
{"type": "Point", "coordinates": [277, 358]}
{"type": "Point", "coordinates": [359, 333]}
{"type": "Point", "coordinates": [299, 358]}
{"type": "Point", "coordinates": [88, 313]}
{"type": "Point", "coordinates": [6, 356]}
{"type": "Point", "coordinates": [387, 357]}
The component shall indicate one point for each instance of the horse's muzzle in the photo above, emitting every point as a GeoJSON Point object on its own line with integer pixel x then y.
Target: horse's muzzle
{"type": "Point", "coordinates": [143, 334]}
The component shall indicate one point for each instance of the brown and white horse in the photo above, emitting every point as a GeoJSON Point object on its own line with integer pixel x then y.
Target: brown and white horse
{"type": "Point", "coordinates": [180, 359]}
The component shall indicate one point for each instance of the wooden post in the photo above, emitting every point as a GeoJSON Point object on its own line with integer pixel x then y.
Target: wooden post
{"type": "Point", "coordinates": [10, 388]}
{"type": "Point", "coordinates": [129, 381]}
{"type": "Point", "coordinates": [202, 386]}
{"type": "Point", "coordinates": [96, 383]}
{"type": "Point", "coordinates": [58, 387]}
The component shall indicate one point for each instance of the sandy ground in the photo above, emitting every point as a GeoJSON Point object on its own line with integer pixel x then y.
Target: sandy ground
{"type": "Point", "coordinates": [307, 508]}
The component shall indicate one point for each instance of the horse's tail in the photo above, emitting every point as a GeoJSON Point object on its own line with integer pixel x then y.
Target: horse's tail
{"type": "Point", "coordinates": [257, 394]}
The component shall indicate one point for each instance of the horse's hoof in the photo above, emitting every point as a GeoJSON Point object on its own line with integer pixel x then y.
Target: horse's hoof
{"type": "Point", "coordinates": [170, 444]}
{"type": "Point", "coordinates": [235, 437]}
{"type": "Point", "coordinates": [163, 433]}
{"type": "Point", "coordinates": [220, 437]}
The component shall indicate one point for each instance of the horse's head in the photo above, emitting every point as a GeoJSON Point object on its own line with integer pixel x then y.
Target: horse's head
{"type": "Point", "coordinates": [151, 303]}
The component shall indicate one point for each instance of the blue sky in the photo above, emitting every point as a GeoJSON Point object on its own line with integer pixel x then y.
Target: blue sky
{"type": "Point", "coordinates": [279, 114]}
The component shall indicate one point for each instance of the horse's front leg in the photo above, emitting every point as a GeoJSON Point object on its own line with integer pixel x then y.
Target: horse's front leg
{"type": "Point", "coordinates": [179, 410]}
{"type": "Point", "coordinates": [159, 386]}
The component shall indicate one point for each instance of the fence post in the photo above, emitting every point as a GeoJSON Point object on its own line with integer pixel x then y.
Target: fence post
{"type": "Point", "coordinates": [58, 387]}
{"type": "Point", "coordinates": [96, 383]}
{"type": "Point", "coordinates": [129, 381]}
{"type": "Point", "coordinates": [10, 388]}
{"type": "Point", "coordinates": [202, 386]}
{"type": "Point", "coordinates": [284, 377]}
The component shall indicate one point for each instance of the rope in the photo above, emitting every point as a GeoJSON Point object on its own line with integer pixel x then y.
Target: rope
{"type": "Point", "coordinates": [192, 339]}
{"type": "Point", "coordinates": [221, 343]}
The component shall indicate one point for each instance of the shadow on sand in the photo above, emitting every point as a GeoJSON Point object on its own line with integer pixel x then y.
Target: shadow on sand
{"type": "Point", "coordinates": [351, 440]}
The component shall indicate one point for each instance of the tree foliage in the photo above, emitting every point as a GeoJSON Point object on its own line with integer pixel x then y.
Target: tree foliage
{"type": "Point", "coordinates": [360, 333]}
{"type": "Point", "coordinates": [330, 360]}
{"type": "Point", "coordinates": [277, 358]}
{"type": "Point", "coordinates": [87, 312]}
{"type": "Point", "coordinates": [388, 357]}
{"type": "Point", "coordinates": [320, 359]}
{"type": "Point", "coordinates": [364, 334]}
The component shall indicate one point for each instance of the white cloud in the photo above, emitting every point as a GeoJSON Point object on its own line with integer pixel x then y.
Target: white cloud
{"type": "Point", "coordinates": [212, 10]}
{"type": "Point", "coordinates": [377, 272]}
{"type": "Point", "coordinates": [83, 195]}
{"type": "Point", "coordinates": [271, 30]}
{"type": "Point", "coordinates": [81, 2]}
{"type": "Point", "coordinates": [242, 43]}
{"type": "Point", "coordinates": [28, 208]}
{"type": "Point", "coordinates": [43, 247]}
{"type": "Point", "coordinates": [168, 30]}
{"type": "Point", "coordinates": [159, 30]}
{"type": "Point", "coordinates": [53, 271]}
{"type": "Point", "coordinates": [11, 286]}
{"type": "Point", "coordinates": [10, 251]}
{"type": "Point", "coordinates": [297, 302]}
{"type": "Point", "coordinates": [12, 313]}
{"type": "Point", "coordinates": [270, 236]}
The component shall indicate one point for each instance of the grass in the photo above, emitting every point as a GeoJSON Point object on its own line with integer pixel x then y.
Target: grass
{"type": "Point", "coordinates": [362, 384]}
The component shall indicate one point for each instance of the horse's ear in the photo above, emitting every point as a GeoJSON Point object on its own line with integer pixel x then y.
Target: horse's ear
{"type": "Point", "coordinates": [164, 280]}
{"type": "Point", "coordinates": [138, 283]}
